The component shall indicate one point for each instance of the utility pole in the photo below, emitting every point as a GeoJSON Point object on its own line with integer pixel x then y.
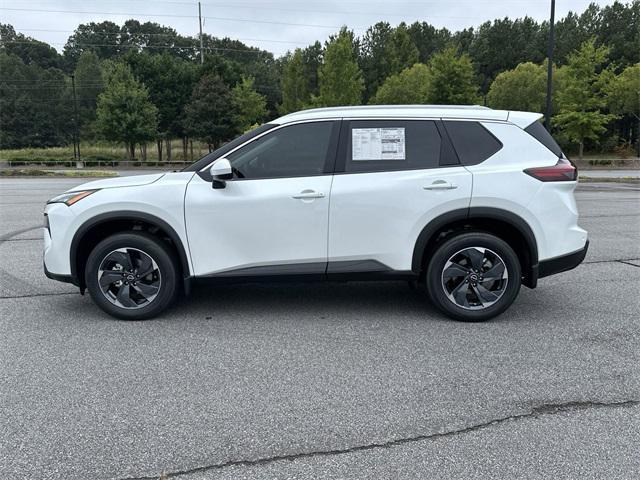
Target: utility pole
{"type": "Point", "coordinates": [201, 40]}
{"type": "Point", "coordinates": [76, 133]}
{"type": "Point", "coordinates": [547, 115]}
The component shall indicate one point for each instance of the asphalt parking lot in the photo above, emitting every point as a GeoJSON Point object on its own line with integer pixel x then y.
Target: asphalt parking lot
{"type": "Point", "coordinates": [358, 380]}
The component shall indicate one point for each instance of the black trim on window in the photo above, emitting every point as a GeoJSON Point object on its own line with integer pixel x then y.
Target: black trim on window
{"type": "Point", "coordinates": [448, 156]}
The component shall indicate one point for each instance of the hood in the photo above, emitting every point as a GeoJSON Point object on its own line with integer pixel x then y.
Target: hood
{"type": "Point", "coordinates": [129, 181]}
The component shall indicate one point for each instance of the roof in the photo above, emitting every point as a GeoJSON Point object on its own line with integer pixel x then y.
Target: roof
{"type": "Point", "coordinates": [475, 112]}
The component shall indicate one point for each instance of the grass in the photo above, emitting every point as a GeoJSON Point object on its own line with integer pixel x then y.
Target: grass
{"type": "Point", "coordinates": [97, 154]}
{"type": "Point", "coordinates": [609, 179]}
{"type": "Point", "coordinates": [33, 172]}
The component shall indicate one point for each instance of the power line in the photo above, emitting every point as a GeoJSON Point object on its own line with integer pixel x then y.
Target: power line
{"type": "Point", "coordinates": [169, 47]}
{"type": "Point", "coordinates": [171, 35]}
{"type": "Point", "coordinates": [124, 14]}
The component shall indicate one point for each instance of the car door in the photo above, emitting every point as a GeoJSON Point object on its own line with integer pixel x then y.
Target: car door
{"type": "Point", "coordinates": [392, 178]}
{"type": "Point", "coordinates": [272, 217]}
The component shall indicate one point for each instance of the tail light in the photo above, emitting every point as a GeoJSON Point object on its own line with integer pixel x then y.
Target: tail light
{"type": "Point", "coordinates": [563, 171]}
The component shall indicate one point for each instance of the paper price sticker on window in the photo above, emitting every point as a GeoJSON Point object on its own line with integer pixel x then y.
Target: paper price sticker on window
{"type": "Point", "coordinates": [377, 144]}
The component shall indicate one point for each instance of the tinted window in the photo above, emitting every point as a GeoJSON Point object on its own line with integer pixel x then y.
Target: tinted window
{"type": "Point", "coordinates": [537, 131]}
{"type": "Point", "coordinates": [380, 145]}
{"type": "Point", "coordinates": [473, 143]}
{"type": "Point", "coordinates": [227, 147]}
{"type": "Point", "coordinates": [295, 151]}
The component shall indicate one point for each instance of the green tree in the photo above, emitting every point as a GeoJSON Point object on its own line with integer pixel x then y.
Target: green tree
{"type": "Point", "coordinates": [523, 88]}
{"type": "Point", "coordinates": [170, 82]}
{"type": "Point", "coordinates": [29, 50]}
{"type": "Point", "coordinates": [428, 39]}
{"type": "Point", "coordinates": [89, 84]}
{"type": "Point", "coordinates": [583, 95]}
{"type": "Point", "coordinates": [340, 77]}
{"type": "Point", "coordinates": [623, 91]}
{"type": "Point", "coordinates": [374, 58]}
{"type": "Point", "coordinates": [411, 86]}
{"type": "Point", "coordinates": [623, 98]}
{"type": "Point", "coordinates": [249, 106]}
{"type": "Point", "coordinates": [35, 105]}
{"type": "Point", "coordinates": [124, 112]}
{"type": "Point", "coordinates": [452, 79]}
{"type": "Point", "coordinates": [402, 52]}
{"type": "Point", "coordinates": [295, 90]}
{"type": "Point", "coordinates": [207, 116]}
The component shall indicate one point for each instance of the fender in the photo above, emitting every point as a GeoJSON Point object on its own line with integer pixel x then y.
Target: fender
{"type": "Point", "coordinates": [125, 215]}
{"type": "Point", "coordinates": [457, 216]}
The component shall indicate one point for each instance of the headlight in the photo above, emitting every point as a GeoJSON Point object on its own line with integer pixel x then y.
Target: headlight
{"type": "Point", "coordinates": [70, 198]}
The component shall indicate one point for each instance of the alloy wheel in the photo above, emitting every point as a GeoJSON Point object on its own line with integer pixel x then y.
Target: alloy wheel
{"type": "Point", "coordinates": [474, 278]}
{"type": "Point", "coordinates": [129, 278]}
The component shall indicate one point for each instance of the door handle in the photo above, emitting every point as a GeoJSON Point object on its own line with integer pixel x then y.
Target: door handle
{"type": "Point", "coordinates": [307, 195]}
{"type": "Point", "coordinates": [441, 185]}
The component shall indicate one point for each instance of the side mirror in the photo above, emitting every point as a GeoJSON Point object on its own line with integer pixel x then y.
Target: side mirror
{"type": "Point", "coordinates": [220, 171]}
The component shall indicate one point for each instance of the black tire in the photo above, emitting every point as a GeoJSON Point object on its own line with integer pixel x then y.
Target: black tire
{"type": "Point", "coordinates": [463, 292]}
{"type": "Point", "coordinates": [160, 286]}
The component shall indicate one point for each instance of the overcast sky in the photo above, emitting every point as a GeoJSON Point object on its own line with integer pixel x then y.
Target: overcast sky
{"type": "Point", "coordinates": [274, 25]}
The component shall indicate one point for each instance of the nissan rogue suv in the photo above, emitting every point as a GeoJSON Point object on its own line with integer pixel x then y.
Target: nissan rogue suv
{"type": "Point", "coordinates": [467, 202]}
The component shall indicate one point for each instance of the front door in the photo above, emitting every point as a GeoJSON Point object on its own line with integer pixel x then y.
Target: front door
{"type": "Point", "coordinates": [272, 217]}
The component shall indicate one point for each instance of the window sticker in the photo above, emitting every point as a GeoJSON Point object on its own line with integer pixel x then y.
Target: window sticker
{"type": "Point", "coordinates": [377, 144]}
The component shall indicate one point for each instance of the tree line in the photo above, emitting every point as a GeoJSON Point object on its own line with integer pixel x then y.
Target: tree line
{"type": "Point", "coordinates": [142, 82]}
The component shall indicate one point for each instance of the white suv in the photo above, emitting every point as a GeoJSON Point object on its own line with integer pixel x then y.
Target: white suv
{"type": "Point", "coordinates": [468, 202]}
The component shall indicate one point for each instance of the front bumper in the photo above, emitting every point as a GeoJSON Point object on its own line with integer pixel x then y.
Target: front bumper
{"type": "Point", "coordinates": [562, 263]}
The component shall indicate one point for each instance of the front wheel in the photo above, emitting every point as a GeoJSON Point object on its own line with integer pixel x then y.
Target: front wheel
{"type": "Point", "coordinates": [132, 276]}
{"type": "Point", "coordinates": [473, 277]}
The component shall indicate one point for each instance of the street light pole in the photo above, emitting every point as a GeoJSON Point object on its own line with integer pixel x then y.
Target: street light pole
{"type": "Point", "coordinates": [76, 133]}
{"type": "Point", "coordinates": [547, 115]}
{"type": "Point", "coordinates": [201, 39]}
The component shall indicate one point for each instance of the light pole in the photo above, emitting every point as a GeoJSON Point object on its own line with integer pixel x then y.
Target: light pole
{"type": "Point", "coordinates": [547, 114]}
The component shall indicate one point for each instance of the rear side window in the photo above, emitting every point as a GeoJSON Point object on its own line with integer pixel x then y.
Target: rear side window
{"type": "Point", "coordinates": [537, 131]}
{"type": "Point", "coordinates": [387, 145]}
{"type": "Point", "coordinates": [473, 143]}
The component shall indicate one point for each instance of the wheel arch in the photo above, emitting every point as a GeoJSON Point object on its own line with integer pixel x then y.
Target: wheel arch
{"type": "Point", "coordinates": [94, 229]}
{"type": "Point", "coordinates": [502, 223]}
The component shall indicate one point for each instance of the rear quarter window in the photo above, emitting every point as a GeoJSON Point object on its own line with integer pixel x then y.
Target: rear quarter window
{"type": "Point", "coordinates": [473, 143]}
{"type": "Point", "coordinates": [537, 131]}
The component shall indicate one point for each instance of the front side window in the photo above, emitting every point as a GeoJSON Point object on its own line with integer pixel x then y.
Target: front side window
{"type": "Point", "coordinates": [299, 150]}
{"type": "Point", "coordinates": [383, 145]}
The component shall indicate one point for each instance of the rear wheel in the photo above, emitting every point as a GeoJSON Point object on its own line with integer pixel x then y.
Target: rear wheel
{"type": "Point", "coordinates": [132, 276]}
{"type": "Point", "coordinates": [473, 277]}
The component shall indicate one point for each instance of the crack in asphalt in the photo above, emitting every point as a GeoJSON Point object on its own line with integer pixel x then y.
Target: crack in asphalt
{"type": "Point", "coordinates": [619, 260]}
{"type": "Point", "coordinates": [37, 295]}
{"type": "Point", "coordinates": [7, 236]}
{"type": "Point", "coordinates": [535, 412]}
{"type": "Point", "coordinates": [628, 263]}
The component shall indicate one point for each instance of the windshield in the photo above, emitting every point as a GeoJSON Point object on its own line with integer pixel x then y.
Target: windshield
{"type": "Point", "coordinates": [227, 147]}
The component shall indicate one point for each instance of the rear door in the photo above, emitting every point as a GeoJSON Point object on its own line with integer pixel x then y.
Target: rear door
{"type": "Point", "coordinates": [392, 178]}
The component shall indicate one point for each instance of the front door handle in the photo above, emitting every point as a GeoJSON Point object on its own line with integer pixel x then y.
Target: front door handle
{"type": "Point", "coordinates": [441, 185]}
{"type": "Point", "coordinates": [308, 195]}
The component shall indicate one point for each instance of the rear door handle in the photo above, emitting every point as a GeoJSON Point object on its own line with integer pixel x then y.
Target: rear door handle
{"type": "Point", "coordinates": [441, 185]}
{"type": "Point", "coordinates": [308, 195]}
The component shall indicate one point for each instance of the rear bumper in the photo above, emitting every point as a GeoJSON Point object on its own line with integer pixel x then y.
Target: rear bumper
{"type": "Point", "coordinates": [58, 277]}
{"type": "Point", "coordinates": [562, 263]}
